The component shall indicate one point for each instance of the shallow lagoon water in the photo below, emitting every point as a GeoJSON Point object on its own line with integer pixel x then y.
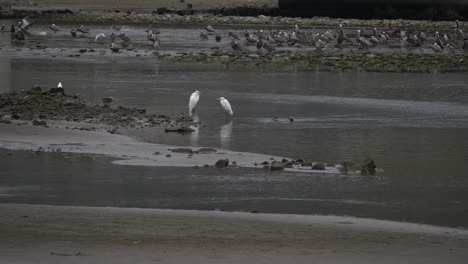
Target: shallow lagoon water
{"type": "Point", "coordinates": [414, 125]}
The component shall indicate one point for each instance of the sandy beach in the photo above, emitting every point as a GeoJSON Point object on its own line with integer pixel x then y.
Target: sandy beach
{"type": "Point", "coordinates": [57, 234]}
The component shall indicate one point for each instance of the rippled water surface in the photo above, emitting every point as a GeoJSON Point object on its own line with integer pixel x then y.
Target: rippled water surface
{"type": "Point", "coordinates": [414, 125]}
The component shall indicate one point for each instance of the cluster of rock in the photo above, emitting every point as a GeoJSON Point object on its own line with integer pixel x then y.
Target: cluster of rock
{"type": "Point", "coordinates": [276, 165]}
{"type": "Point", "coordinates": [38, 105]}
{"type": "Point", "coordinates": [366, 167]}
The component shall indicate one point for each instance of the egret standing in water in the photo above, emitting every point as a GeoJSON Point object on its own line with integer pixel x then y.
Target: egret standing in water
{"type": "Point", "coordinates": [194, 98]}
{"type": "Point", "coordinates": [226, 106]}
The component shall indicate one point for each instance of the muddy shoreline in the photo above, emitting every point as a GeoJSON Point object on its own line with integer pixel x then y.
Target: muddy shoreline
{"type": "Point", "coordinates": [49, 234]}
{"type": "Point", "coordinates": [266, 17]}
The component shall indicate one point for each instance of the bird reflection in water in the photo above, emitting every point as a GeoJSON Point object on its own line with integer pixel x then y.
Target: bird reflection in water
{"type": "Point", "coordinates": [194, 136]}
{"type": "Point", "coordinates": [225, 134]}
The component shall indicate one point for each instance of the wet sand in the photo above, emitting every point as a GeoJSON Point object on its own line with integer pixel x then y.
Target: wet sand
{"type": "Point", "coordinates": [126, 150]}
{"type": "Point", "coordinates": [57, 234]}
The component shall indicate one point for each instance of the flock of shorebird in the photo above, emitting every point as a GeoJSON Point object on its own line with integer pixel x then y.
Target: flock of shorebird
{"type": "Point", "coordinates": [269, 40]}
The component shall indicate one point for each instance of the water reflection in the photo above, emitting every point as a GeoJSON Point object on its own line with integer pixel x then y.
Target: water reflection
{"type": "Point", "coordinates": [225, 133]}
{"type": "Point", "coordinates": [5, 75]}
{"type": "Point", "coordinates": [194, 136]}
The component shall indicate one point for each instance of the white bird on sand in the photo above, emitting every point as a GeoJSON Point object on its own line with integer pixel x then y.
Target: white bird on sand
{"type": "Point", "coordinates": [226, 106]}
{"type": "Point", "coordinates": [194, 98]}
{"type": "Point", "coordinates": [59, 85]}
{"type": "Point", "coordinates": [98, 36]}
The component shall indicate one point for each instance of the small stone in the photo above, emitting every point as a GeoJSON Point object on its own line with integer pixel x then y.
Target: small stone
{"type": "Point", "coordinates": [368, 167]}
{"type": "Point", "coordinates": [182, 150]}
{"type": "Point", "coordinates": [57, 90]}
{"type": "Point", "coordinates": [300, 161]}
{"type": "Point", "coordinates": [36, 122]}
{"type": "Point", "coordinates": [222, 163]}
{"type": "Point", "coordinates": [276, 166]}
{"type": "Point", "coordinates": [318, 166]}
{"type": "Point", "coordinates": [107, 100]}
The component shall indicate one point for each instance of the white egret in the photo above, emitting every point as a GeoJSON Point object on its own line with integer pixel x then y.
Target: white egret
{"type": "Point", "coordinates": [226, 106]}
{"type": "Point", "coordinates": [59, 85]}
{"type": "Point", "coordinates": [194, 98]}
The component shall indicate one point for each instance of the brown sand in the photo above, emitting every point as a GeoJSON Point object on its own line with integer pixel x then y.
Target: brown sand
{"type": "Point", "coordinates": [56, 234]}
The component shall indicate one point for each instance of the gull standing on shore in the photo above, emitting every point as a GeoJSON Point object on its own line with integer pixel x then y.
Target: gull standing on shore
{"type": "Point", "coordinates": [55, 28]}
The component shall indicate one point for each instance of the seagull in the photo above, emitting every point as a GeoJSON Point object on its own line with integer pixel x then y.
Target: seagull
{"type": "Point", "coordinates": [341, 35]}
{"type": "Point", "coordinates": [235, 46]}
{"type": "Point", "coordinates": [123, 37]}
{"type": "Point", "coordinates": [436, 47]}
{"type": "Point", "coordinates": [260, 44]}
{"type": "Point", "coordinates": [151, 36]}
{"type": "Point", "coordinates": [250, 38]}
{"type": "Point", "coordinates": [24, 24]}
{"type": "Point", "coordinates": [19, 35]}
{"type": "Point", "coordinates": [233, 36]}
{"type": "Point", "coordinates": [99, 36]}
{"type": "Point", "coordinates": [210, 29]}
{"type": "Point", "coordinates": [83, 30]}
{"type": "Point", "coordinates": [226, 106]}
{"type": "Point", "coordinates": [55, 28]}
{"type": "Point", "coordinates": [156, 44]}
{"type": "Point", "coordinates": [108, 100]}
{"type": "Point", "coordinates": [320, 45]}
{"type": "Point", "coordinates": [203, 36]}
{"type": "Point", "coordinates": [269, 47]}
{"type": "Point", "coordinates": [194, 98]}
{"type": "Point", "coordinates": [114, 47]}
{"type": "Point", "coordinates": [361, 40]}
